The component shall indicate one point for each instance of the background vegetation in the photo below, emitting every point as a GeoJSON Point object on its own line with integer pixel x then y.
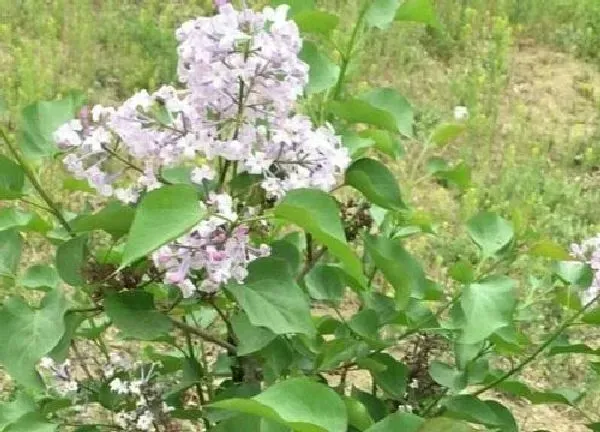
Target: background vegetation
{"type": "Point", "coordinates": [527, 70]}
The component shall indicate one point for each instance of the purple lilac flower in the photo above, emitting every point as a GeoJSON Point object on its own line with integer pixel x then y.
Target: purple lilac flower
{"type": "Point", "coordinates": [242, 78]}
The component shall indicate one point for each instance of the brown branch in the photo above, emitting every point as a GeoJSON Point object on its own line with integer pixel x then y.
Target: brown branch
{"type": "Point", "coordinates": [204, 335]}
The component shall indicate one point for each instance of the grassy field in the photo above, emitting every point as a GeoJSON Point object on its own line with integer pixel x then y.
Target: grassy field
{"type": "Point", "coordinates": [527, 70]}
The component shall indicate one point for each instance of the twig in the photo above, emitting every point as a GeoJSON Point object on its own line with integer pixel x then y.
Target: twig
{"type": "Point", "coordinates": [311, 263]}
{"type": "Point", "coordinates": [347, 56]}
{"type": "Point", "coordinates": [204, 335]}
{"type": "Point", "coordinates": [198, 385]}
{"type": "Point", "coordinates": [52, 206]}
{"type": "Point", "coordinates": [516, 369]}
{"type": "Point", "coordinates": [81, 361]}
{"type": "Point", "coordinates": [41, 207]}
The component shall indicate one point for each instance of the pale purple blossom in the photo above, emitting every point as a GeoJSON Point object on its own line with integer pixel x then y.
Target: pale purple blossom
{"type": "Point", "coordinates": [209, 247]}
{"type": "Point", "coordinates": [238, 108]}
{"type": "Point", "coordinates": [589, 252]}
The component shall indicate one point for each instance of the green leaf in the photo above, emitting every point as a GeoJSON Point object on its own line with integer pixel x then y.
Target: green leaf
{"type": "Point", "coordinates": [252, 338]}
{"type": "Point", "coordinates": [491, 232]}
{"type": "Point", "coordinates": [317, 213]}
{"type": "Point", "coordinates": [274, 301]}
{"type": "Point", "coordinates": [73, 184]}
{"type": "Point", "coordinates": [40, 277]}
{"type": "Point", "coordinates": [41, 120]}
{"type": "Point", "coordinates": [486, 306]}
{"type": "Point", "coordinates": [445, 133]}
{"type": "Point", "coordinates": [376, 406]}
{"type": "Point", "coordinates": [557, 396]}
{"type": "Point", "coordinates": [504, 416]}
{"type": "Point", "coordinates": [394, 104]}
{"type": "Point", "coordinates": [356, 111]}
{"type": "Point", "coordinates": [133, 313]}
{"type": "Point", "coordinates": [358, 415]}
{"type": "Point", "coordinates": [163, 215]}
{"type": "Point", "coordinates": [444, 424]}
{"type": "Point", "coordinates": [337, 351]}
{"type": "Point", "coordinates": [115, 219]}
{"type": "Point", "coordinates": [316, 21]}
{"type": "Point", "coordinates": [11, 246]}
{"type": "Point", "coordinates": [419, 11]}
{"type": "Point", "coordinates": [592, 317]}
{"type": "Point", "coordinates": [249, 423]}
{"type": "Point", "coordinates": [12, 411]}
{"type": "Point", "coordinates": [72, 322]}
{"type": "Point", "coordinates": [573, 349]}
{"type": "Point", "coordinates": [399, 421]}
{"type": "Point", "coordinates": [12, 179]}
{"type": "Point", "coordinates": [462, 271]}
{"type": "Point", "coordinates": [386, 142]}
{"type": "Point", "coordinates": [365, 324]}
{"type": "Point", "coordinates": [32, 422]}
{"type": "Point", "coordinates": [381, 13]}
{"type": "Point", "coordinates": [296, 6]}
{"type": "Point", "coordinates": [393, 379]}
{"type": "Point", "coordinates": [24, 221]}
{"type": "Point", "coordinates": [302, 404]}
{"type": "Point", "coordinates": [447, 376]}
{"type": "Point", "coordinates": [356, 144]}
{"type": "Point", "coordinates": [459, 176]}
{"type": "Point", "coordinates": [323, 73]}
{"type": "Point", "coordinates": [549, 249]}
{"type": "Point", "coordinates": [325, 282]}
{"type": "Point", "coordinates": [575, 273]}
{"type": "Point", "coordinates": [471, 409]}
{"type": "Point", "coordinates": [278, 356]}
{"type": "Point", "coordinates": [70, 260]}
{"type": "Point", "coordinates": [399, 267]}
{"type": "Point", "coordinates": [26, 335]}
{"type": "Point", "coordinates": [376, 182]}
{"type": "Point", "coordinates": [288, 252]}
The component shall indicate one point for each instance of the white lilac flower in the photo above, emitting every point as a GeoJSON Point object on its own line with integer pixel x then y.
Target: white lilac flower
{"type": "Point", "coordinates": [405, 408]}
{"type": "Point", "coordinates": [223, 255]}
{"type": "Point", "coordinates": [204, 172]}
{"type": "Point", "coordinates": [145, 421]}
{"type": "Point", "coordinates": [589, 252]}
{"type": "Point", "coordinates": [66, 387]}
{"type": "Point", "coordinates": [120, 360]}
{"type": "Point", "coordinates": [461, 113]}
{"type": "Point", "coordinates": [119, 386]}
{"type": "Point", "coordinates": [69, 134]}
{"type": "Point", "coordinates": [63, 382]}
{"type": "Point", "coordinates": [135, 387]}
{"type": "Point", "coordinates": [123, 419]}
{"type": "Point", "coordinates": [47, 363]}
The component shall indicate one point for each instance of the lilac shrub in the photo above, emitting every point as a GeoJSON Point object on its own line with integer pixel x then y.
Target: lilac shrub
{"type": "Point", "coordinates": [244, 262]}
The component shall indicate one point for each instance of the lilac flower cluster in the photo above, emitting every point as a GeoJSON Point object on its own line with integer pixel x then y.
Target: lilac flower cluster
{"type": "Point", "coordinates": [589, 252]}
{"type": "Point", "coordinates": [63, 381]}
{"type": "Point", "coordinates": [209, 248]}
{"type": "Point", "coordinates": [133, 381]}
{"type": "Point", "coordinates": [237, 113]}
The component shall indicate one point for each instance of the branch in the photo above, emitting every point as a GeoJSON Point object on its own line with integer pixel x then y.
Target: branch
{"type": "Point", "coordinates": [311, 263]}
{"type": "Point", "coordinates": [518, 368]}
{"type": "Point", "coordinates": [347, 56]}
{"type": "Point", "coordinates": [52, 206]}
{"type": "Point", "coordinates": [204, 335]}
